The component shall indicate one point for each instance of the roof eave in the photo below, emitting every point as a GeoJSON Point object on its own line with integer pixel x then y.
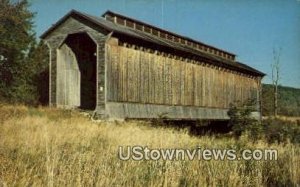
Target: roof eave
{"type": "Point", "coordinates": [60, 21]}
{"type": "Point", "coordinates": [249, 71]}
{"type": "Point", "coordinates": [178, 35]}
{"type": "Point", "coordinates": [88, 18]}
{"type": "Point", "coordinates": [65, 17]}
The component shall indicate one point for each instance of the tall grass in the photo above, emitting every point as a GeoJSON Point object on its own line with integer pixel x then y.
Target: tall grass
{"type": "Point", "coordinates": [51, 147]}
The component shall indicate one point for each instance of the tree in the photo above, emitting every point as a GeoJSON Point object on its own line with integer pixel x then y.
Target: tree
{"type": "Point", "coordinates": [241, 120]}
{"type": "Point", "coordinates": [20, 55]}
{"type": "Point", "coordinates": [268, 99]}
{"type": "Point", "coordinates": [276, 77]}
{"type": "Point", "coordinates": [38, 69]}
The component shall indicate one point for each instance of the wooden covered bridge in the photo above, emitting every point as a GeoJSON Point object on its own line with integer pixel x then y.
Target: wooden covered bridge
{"type": "Point", "coordinates": [124, 68]}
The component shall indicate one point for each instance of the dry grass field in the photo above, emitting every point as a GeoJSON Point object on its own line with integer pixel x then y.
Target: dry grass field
{"type": "Point", "coordinates": [51, 147]}
{"type": "Point", "coordinates": [285, 118]}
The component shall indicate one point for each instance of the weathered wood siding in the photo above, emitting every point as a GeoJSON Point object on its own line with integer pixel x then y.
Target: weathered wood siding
{"type": "Point", "coordinates": [123, 110]}
{"type": "Point", "coordinates": [68, 78]}
{"type": "Point", "coordinates": [100, 106]}
{"type": "Point", "coordinates": [138, 75]}
{"type": "Point", "coordinates": [135, 81]}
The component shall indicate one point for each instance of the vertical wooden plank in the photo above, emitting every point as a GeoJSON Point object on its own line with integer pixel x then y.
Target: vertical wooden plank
{"type": "Point", "coordinates": [130, 75]}
{"type": "Point", "coordinates": [182, 82]}
{"type": "Point", "coordinates": [163, 78]}
{"type": "Point", "coordinates": [200, 82]}
{"type": "Point", "coordinates": [132, 92]}
{"type": "Point", "coordinates": [146, 77]}
{"type": "Point", "coordinates": [142, 76]}
{"type": "Point", "coordinates": [208, 90]}
{"type": "Point", "coordinates": [193, 84]}
{"type": "Point", "coordinates": [156, 77]}
{"type": "Point", "coordinates": [167, 80]}
{"type": "Point", "coordinates": [125, 73]}
{"type": "Point", "coordinates": [116, 72]}
{"type": "Point", "coordinates": [180, 86]}
{"type": "Point", "coordinates": [113, 86]}
{"type": "Point", "coordinates": [170, 70]}
{"type": "Point", "coordinates": [136, 73]}
{"type": "Point", "coordinates": [234, 90]}
{"type": "Point", "coordinates": [206, 99]}
{"type": "Point", "coordinates": [239, 87]}
{"type": "Point", "coordinates": [108, 72]}
{"type": "Point", "coordinates": [166, 74]}
{"type": "Point", "coordinates": [213, 87]}
{"type": "Point", "coordinates": [150, 96]}
{"type": "Point", "coordinates": [159, 79]}
{"type": "Point", "coordinates": [120, 73]}
{"type": "Point", "coordinates": [187, 83]}
{"type": "Point", "coordinates": [232, 87]}
{"type": "Point", "coordinates": [218, 91]}
{"type": "Point", "coordinates": [112, 73]}
{"type": "Point", "coordinates": [242, 88]}
{"type": "Point", "coordinates": [137, 77]}
{"type": "Point", "coordinates": [152, 77]}
{"type": "Point", "coordinates": [225, 91]}
{"type": "Point", "coordinates": [208, 86]}
{"type": "Point", "coordinates": [249, 86]}
{"type": "Point", "coordinates": [203, 99]}
{"type": "Point", "coordinates": [229, 88]}
{"type": "Point", "coordinates": [176, 82]}
{"type": "Point", "coordinates": [173, 80]}
{"type": "Point", "coordinates": [226, 88]}
{"type": "Point", "coordinates": [227, 94]}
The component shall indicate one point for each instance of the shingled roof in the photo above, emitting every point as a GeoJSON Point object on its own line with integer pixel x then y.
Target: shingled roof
{"type": "Point", "coordinates": [118, 30]}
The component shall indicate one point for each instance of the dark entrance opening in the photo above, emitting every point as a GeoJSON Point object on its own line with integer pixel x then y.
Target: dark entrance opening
{"type": "Point", "coordinates": [84, 49]}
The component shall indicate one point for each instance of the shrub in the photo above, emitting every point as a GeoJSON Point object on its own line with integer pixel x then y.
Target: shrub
{"type": "Point", "coordinates": [274, 130]}
{"type": "Point", "coordinates": [241, 121]}
{"type": "Point", "coordinates": [281, 131]}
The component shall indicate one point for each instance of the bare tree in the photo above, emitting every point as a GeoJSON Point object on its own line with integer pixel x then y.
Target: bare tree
{"type": "Point", "coordinates": [276, 77]}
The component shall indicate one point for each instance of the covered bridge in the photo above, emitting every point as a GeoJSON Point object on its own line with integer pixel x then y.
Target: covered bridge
{"type": "Point", "coordinates": [123, 68]}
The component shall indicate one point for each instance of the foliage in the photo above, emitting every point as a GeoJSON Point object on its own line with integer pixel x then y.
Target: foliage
{"type": "Point", "coordinates": [242, 121]}
{"type": "Point", "coordinates": [273, 130]}
{"type": "Point", "coordinates": [281, 131]}
{"type": "Point", "coordinates": [22, 60]}
{"type": "Point", "coordinates": [16, 37]}
{"type": "Point", "coordinates": [39, 72]}
{"type": "Point", "coordinates": [288, 100]}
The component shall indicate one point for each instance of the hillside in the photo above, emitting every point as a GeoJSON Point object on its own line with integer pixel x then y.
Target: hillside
{"type": "Point", "coordinates": [288, 100]}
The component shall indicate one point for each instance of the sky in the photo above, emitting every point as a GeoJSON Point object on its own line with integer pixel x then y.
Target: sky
{"type": "Point", "coordinates": [251, 29]}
